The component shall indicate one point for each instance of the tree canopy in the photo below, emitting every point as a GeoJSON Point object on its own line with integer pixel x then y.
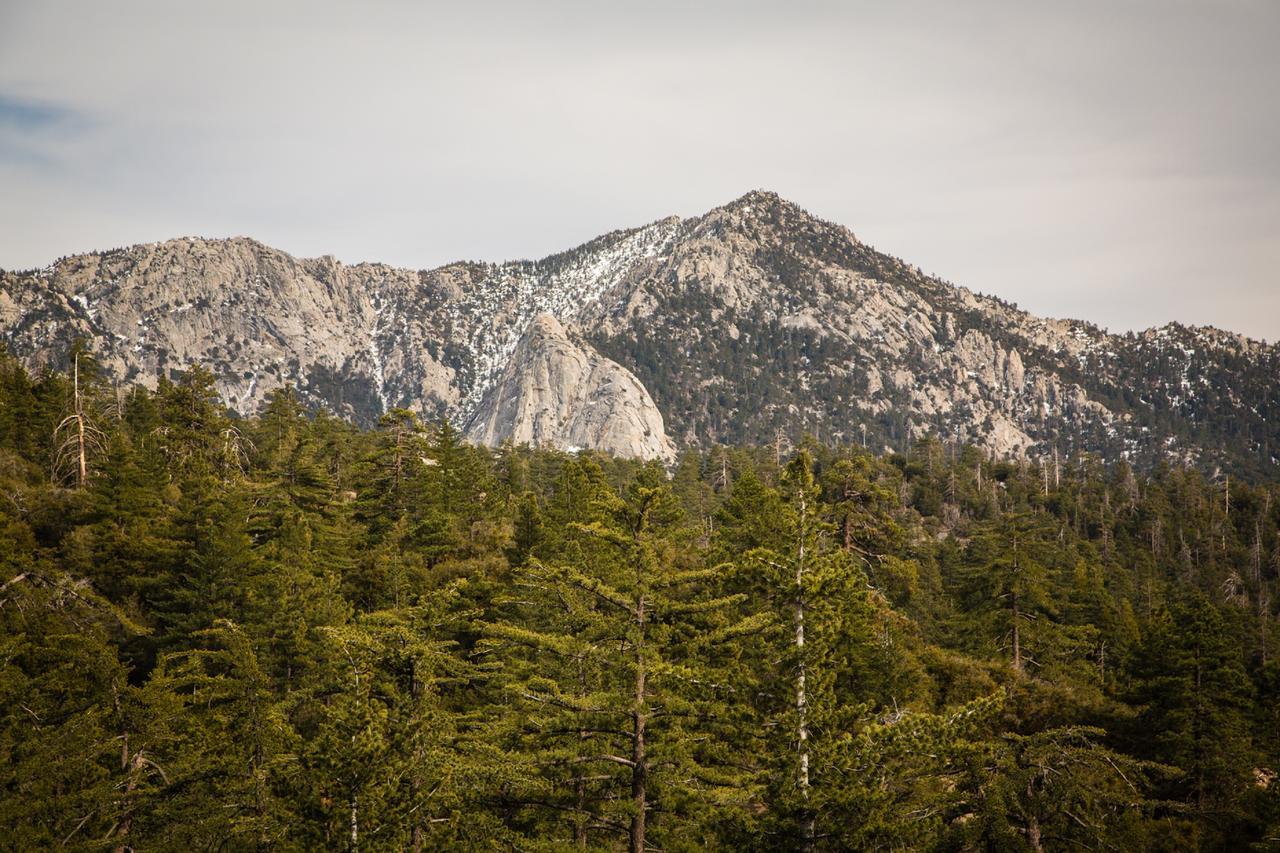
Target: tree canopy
{"type": "Point", "coordinates": [285, 632]}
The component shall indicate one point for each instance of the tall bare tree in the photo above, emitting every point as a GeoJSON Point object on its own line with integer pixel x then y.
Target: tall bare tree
{"type": "Point", "coordinates": [76, 437]}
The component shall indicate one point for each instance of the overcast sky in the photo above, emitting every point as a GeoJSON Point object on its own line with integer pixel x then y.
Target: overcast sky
{"type": "Point", "coordinates": [1117, 162]}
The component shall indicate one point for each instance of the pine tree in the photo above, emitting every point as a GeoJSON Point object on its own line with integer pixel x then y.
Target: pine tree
{"type": "Point", "coordinates": [125, 534]}
{"type": "Point", "coordinates": [386, 763]}
{"type": "Point", "coordinates": [209, 581]}
{"type": "Point", "coordinates": [80, 757]}
{"type": "Point", "coordinates": [1189, 683]}
{"type": "Point", "coordinates": [1007, 585]}
{"type": "Point", "coordinates": [1055, 789]}
{"type": "Point", "coordinates": [610, 658]}
{"type": "Point", "coordinates": [529, 529]}
{"type": "Point", "coordinates": [824, 658]}
{"type": "Point", "coordinates": [193, 434]}
{"type": "Point", "coordinates": [391, 482]}
{"type": "Point", "coordinates": [20, 427]}
{"type": "Point", "coordinates": [232, 745]}
{"type": "Point", "coordinates": [291, 586]}
{"type": "Point", "coordinates": [283, 632]}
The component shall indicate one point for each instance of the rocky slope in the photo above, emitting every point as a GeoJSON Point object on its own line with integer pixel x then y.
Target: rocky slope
{"type": "Point", "coordinates": [753, 320]}
{"type": "Point", "coordinates": [561, 393]}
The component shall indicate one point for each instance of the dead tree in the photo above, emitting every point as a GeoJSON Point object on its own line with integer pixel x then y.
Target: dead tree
{"type": "Point", "coordinates": [76, 438]}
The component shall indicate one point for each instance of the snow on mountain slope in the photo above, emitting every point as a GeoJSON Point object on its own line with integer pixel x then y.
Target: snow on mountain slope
{"type": "Point", "coordinates": [753, 320]}
{"type": "Point", "coordinates": [496, 311]}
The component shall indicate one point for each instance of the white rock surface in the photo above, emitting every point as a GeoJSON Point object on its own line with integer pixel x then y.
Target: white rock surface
{"type": "Point", "coordinates": [561, 393]}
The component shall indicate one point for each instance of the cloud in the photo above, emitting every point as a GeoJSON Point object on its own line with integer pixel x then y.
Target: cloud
{"type": "Point", "coordinates": [31, 132]}
{"type": "Point", "coordinates": [20, 115]}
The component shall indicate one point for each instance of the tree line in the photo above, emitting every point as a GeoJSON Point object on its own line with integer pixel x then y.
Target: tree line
{"type": "Point", "coordinates": [285, 632]}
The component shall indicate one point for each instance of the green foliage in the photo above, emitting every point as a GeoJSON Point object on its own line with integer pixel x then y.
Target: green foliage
{"type": "Point", "coordinates": [1193, 697]}
{"type": "Point", "coordinates": [609, 662]}
{"type": "Point", "coordinates": [288, 633]}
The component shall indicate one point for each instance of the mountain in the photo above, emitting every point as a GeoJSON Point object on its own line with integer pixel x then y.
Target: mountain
{"type": "Point", "coordinates": [753, 321]}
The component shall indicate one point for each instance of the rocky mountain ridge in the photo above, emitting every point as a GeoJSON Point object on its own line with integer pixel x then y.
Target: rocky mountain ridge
{"type": "Point", "coordinates": [751, 322]}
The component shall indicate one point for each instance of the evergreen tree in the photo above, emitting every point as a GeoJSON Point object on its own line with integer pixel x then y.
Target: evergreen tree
{"type": "Point", "coordinates": [233, 745]}
{"type": "Point", "coordinates": [612, 664]}
{"type": "Point", "coordinates": [1189, 685]}
{"type": "Point", "coordinates": [284, 632]}
{"type": "Point", "coordinates": [825, 664]}
{"type": "Point", "coordinates": [386, 763]}
{"type": "Point", "coordinates": [1007, 585]}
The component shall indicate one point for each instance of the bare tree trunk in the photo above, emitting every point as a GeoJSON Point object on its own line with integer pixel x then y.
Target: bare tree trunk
{"type": "Point", "coordinates": [415, 690]}
{"type": "Point", "coordinates": [82, 472]}
{"type": "Point", "coordinates": [1017, 638]}
{"type": "Point", "coordinates": [1033, 834]}
{"type": "Point", "coordinates": [82, 468]}
{"type": "Point", "coordinates": [580, 819]}
{"type": "Point", "coordinates": [131, 765]}
{"type": "Point", "coordinates": [71, 452]}
{"type": "Point", "coordinates": [802, 699]}
{"type": "Point", "coordinates": [355, 823]}
{"type": "Point", "coordinates": [639, 770]}
{"type": "Point", "coordinates": [1264, 614]}
{"type": "Point", "coordinates": [1013, 603]}
{"type": "Point", "coordinates": [579, 783]}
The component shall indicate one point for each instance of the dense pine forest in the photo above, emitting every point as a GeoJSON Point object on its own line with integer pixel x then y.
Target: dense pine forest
{"type": "Point", "coordinates": [290, 633]}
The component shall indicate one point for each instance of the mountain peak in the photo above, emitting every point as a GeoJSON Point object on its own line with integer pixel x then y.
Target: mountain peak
{"type": "Point", "coordinates": [757, 196]}
{"type": "Point", "coordinates": [766, 209]}
{"type": "Point", "coordinates": [759, 201]}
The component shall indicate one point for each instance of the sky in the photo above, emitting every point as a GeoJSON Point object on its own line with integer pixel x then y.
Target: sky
{"type": "Point", "coordinates": [1116, 161]}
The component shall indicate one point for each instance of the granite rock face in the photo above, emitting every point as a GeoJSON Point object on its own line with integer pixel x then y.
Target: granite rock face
{"type": "Point", "coordinates": [558, 392]}
{"type": "Point", "coordinates": [255, 316]}
{"type": "Point", "coordinates": [752, 321]}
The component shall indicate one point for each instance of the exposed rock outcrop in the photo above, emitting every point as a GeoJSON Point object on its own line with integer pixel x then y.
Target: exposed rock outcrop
{"type": "Point", "coordinates": [557, 392]}
{"type": "Point", "coordinates": [751, 320]}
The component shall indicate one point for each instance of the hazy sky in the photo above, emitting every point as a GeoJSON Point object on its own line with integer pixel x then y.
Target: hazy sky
{"type": "Point", "coordinates": [1113, 161]}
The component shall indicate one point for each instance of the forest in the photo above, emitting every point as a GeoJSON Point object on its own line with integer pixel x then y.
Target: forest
{"type": "Point", "coordinates": [289, 633]}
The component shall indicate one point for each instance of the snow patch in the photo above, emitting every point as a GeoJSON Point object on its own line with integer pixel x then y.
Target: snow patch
{"type": "Point", "coordinates": [531, 289]}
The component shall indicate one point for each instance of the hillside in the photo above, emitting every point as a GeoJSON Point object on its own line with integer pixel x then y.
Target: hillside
{"type": "Point", "coordinates": [753, 321]}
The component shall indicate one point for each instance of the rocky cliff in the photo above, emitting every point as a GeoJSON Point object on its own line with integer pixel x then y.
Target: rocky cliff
{"type": "Point", "coordinates": [557, 392]}
{"type": "Point", "coordinates": [753, 320]}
